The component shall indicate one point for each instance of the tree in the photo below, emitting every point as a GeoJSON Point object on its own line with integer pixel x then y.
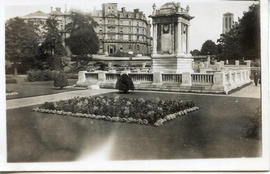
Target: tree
{"type": "Point", "coordinates": [195, 52]}
{"type": "Point", "coordinates": [83, 38]}
{"type": "Point", "coordinates": [21, 43]}
{"type": "Point", "coordinates": [209, 48]}
{"type": "Point", "coordinates": [249, 36]}
{"type": "Point", "coordinates": [60, 80]}
{"type": "Point", "coordinates": [228, 44]}
{"type": "Point", "coordinates": [52, 47]}
{"type": "Point", "coordinates": [243, 40]}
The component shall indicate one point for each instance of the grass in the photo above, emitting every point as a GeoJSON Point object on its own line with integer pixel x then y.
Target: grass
{"type": "Point", "coordinates": [218, 130]}
{"type": "Point", "coordinates": [30, 89]}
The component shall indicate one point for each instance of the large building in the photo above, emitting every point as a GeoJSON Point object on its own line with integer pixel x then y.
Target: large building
{"type": "Point", "coordinates": [228, 21]}
{"type": "Point", "coordinates": [118, 31]}
{"type": "Point", "coordinates": [123, 30]}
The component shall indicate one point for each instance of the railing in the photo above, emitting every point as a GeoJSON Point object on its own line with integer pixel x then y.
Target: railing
{"type": "Point", "coordinates": [91, 76]}
{"type": "Point", "coordinates": [222, 80]}
{"type": "Point", "coordinates": [172, 78]}
{"type": "Point", "coordinates": [112, 76]}
{"type": "Point", "coordinates": [227, 78]}
{"type": "Point", "coordinates": [141, 77]}
{"type": "Point", "coordinates": [202, 78]}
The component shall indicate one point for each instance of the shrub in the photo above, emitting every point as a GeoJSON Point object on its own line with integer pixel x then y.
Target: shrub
{"type": "Point", "coordinates": [72, 76]}
{"type": "Point", "coordinates": [61, 80]}
{"type": "Point", "coordinates": [124, 83]}
{"type": "Point", "coordinates": [8, 80]}
{"type": "Point", "coordinates": [41, 75]}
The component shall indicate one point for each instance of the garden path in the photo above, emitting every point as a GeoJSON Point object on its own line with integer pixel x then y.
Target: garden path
{"type": "Point", "coordinates": [250, 91]}
{"type": "Point", "coordinates": [29, 101]}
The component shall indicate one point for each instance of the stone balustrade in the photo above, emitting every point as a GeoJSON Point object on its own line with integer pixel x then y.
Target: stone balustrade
{"type": "Point", "coordinates": [199, 78]}
{"type": "Point", "coordinates": [216, 82]}
{"type": "Point", "coordinates": [171, 78]}
{"type": "Point", "coordinates": [141, 77]}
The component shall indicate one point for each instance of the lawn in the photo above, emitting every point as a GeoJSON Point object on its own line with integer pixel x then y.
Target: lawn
{"type": "Point", "coordinates": [218, 130]}
{"type": "Point", "coordinates": [30, 89]}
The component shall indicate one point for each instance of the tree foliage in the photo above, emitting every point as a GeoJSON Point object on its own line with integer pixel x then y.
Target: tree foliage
{"type": "Point", "coordinates": [243, 40]}
{"type": "Point", "coordinates": [209, 48]}
{"type": "Point", "coordinates": [195, 52]}
{"type": "Point", "coordinates": [83, 38]}
{"type": "Point", "coordinates": [52, 48]}
{"type": "Point", "coordinates": [53, 40]}
{"type": "Point", "coordinates": [21, 43]}
{"type": "Point", "coordinates": [61, 80]}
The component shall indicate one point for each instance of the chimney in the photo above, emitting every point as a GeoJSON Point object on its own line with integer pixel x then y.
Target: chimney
{"type": "Point", "coordinates": [123, 9]}
{"type": "Point", "coordinates": [136, 10]}
{"type": "Point", "coordinates": [51, 9]}
{"type": "Point", "coordinates": [58, 9]}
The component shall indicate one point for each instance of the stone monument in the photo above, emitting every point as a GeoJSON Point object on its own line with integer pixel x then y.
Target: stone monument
{"type": "Point", "coordinates": [171, 25]}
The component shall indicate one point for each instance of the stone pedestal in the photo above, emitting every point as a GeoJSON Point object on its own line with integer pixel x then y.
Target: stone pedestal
{"type": "Point", "coordinates": [172, 64]}
{"type": "Point", "coordinates": [186, 79]}
{"type": "Point", "coordinates": [157, 77]}
{"type": "Point", "coordinates": [81, 77]}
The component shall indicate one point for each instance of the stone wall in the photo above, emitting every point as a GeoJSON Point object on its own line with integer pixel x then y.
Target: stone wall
{"type": "Point", "coordinates": [217, 82]}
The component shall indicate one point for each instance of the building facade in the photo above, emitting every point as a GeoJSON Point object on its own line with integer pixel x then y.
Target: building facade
{"type": "Point", "coordinates": [118, 31]}
{"type": "Point", "coordinates": [122, 31]}
{"type": "Point", "coordinates": [227, 23]}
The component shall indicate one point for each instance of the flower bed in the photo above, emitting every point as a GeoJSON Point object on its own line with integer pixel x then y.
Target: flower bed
{"type": "Point", "coordinates": [9, 93]}
{"type": "Point", "coordinates": [120, 109]}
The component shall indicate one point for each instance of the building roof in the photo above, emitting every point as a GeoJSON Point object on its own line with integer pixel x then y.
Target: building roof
{"type": "Point", "coordinates": [37, 14]}
{"type": "Point", "coordinates": [227, 14]}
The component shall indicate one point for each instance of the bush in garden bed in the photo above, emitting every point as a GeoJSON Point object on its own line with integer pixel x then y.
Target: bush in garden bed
{"type": "Point", "coordinates": [120, 109]}
{"type": "Point", "coordinates": [9, 80]}
{"type": "Point", "coordinates": [41, 75]}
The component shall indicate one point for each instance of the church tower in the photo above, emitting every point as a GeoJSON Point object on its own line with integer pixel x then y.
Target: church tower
{"type": "Point", "coordinates": [228, 20]}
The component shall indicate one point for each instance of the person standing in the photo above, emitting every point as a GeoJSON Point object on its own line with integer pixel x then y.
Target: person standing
{"type": "Point", "coordinates": [256, 78]}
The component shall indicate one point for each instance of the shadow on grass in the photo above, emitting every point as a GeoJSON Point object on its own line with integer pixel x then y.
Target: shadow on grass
{"type": "Point", "coordinates": [218, 130]}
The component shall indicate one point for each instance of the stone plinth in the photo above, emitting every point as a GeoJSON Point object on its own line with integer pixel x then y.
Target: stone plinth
{"type": "Point", "coordinates": [172, 64]}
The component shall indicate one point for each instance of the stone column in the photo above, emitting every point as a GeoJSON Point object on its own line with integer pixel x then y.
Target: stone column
{"type": "Point", "coordinates": [178, 38]}
{"type": "Point", "coordinates": [81, 77]}
{"type": "Point", "coordinates": [187, 40]}
{"type": "Point", "coordinates": [186, 79]}
{"type": "Point", "coordinates": [154, 39]}
{"type": "Point", "coordinates": [219, 82]}
{"type": "Point", "coordinates": [157, 77]}
{"type": "Point", "coordinates": [237, 63]}
{"type": "Point", "coordinates": [248, 62]}
{"type": "Point", "coordinates": [101, 76]}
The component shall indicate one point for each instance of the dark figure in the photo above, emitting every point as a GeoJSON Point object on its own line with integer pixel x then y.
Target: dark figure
{"type": "Point", "coordinates": [256, 78]}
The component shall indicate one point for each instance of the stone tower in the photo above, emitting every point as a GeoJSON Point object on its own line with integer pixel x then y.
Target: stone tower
{"type": "Point", "coordinates": [227, 23]}
{"type": "Point", "coordinates": [171, 25]}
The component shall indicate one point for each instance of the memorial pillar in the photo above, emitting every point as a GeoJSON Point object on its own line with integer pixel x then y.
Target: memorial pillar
{"type": "Point", "coordinates": [154, 39]}
{"type": "Point", "coordinates": [178, 38]}
{"type": "Point", "coordinates": [187, 40]}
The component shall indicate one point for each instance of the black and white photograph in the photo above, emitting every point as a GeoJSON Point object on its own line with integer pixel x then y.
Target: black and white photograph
{"type": "Point", "coordinates": [139, 85]}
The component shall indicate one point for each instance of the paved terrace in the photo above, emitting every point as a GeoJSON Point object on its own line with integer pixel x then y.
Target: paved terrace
{"type": "Point", "coordinates": [250, 91]}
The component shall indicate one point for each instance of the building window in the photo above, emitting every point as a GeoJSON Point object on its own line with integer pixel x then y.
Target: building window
{"type": "Point", "coordinates": [129, 37]}
{"type": "Point", "coordinates": [137, 30]}
{"type": "Point", "coordinates": [137, 37]}
{"type": "Point", "coordinates": [129, 22]}
{"type": "Point", "coordinates": [138, 47]}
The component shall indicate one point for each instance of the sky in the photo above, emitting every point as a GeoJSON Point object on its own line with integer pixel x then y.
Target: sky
{"type": "Point", "coordinates": [206, 25]}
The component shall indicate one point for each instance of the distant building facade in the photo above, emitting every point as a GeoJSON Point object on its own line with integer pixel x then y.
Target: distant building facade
{"type": "Point", "coordinates": [118, 31]}
{"type": "Point", "coordinates": [122, 31]}
{"type": "Point", "coordinates": [227, 23]}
